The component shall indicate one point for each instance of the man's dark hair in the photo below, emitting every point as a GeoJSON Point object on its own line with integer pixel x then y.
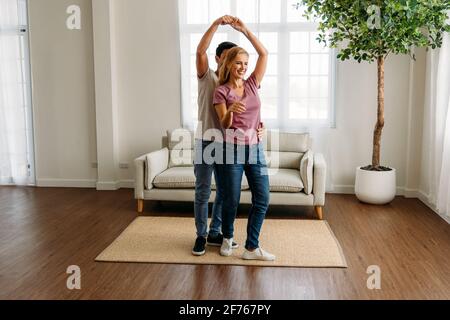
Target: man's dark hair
{"type": "Point", "coordinates": [224, 46]}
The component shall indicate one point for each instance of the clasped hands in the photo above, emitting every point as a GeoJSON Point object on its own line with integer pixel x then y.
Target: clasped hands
{"type": "Point", "coordinates": [235, 22]}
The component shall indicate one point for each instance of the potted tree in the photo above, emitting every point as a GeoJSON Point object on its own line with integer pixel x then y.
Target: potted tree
{"type": "Point", "coordinates": [370, 31]}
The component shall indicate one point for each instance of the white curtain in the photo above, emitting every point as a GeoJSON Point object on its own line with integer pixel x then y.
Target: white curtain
{"type": "Point", "coordinates": [14, 94]}
{"type": "Point", "coordinates": [435, 178]}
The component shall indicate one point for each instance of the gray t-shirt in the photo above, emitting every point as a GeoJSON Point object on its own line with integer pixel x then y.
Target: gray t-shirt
{"type": "Point", "coordinates": [207, 116]}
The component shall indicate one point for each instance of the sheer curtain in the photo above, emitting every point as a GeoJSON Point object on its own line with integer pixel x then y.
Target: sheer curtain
{"type": "Point", "coordinates": [15, 128]}
{"type": "Point", "coordinates": [435, 178]}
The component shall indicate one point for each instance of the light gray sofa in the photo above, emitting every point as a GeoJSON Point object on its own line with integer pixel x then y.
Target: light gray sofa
{"type": "Point", "coordinates": [296, 173]}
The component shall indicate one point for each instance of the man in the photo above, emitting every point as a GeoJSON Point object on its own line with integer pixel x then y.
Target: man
{"type": "Point", "coordinates": [208, 120]}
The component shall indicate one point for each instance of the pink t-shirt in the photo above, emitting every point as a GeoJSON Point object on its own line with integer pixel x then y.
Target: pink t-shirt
{"type": "Point", "coordinates": [245, 125]}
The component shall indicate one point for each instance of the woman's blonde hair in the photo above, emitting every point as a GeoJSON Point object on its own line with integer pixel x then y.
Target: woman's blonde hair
{"type": "Point", "coordinates": [224, 71]}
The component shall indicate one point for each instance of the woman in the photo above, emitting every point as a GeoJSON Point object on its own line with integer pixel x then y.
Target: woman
{"type": "Point", "coordinates": [238, 107]}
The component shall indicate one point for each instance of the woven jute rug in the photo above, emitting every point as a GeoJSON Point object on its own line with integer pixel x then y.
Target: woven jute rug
{"type": "Point", "coordinates": [295, 243]}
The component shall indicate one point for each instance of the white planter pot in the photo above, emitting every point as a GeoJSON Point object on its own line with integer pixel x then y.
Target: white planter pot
{"type": "Point", "coordinates": [375, 187]}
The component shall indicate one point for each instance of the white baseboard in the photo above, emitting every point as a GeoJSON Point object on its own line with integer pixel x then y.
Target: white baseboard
{"type": "Point", "coordinates": [350, 189]}
{"type": "Point", "coordinates": [342, 189]}
{"type": "Point", "coordinates": [108, 185]}
{"type": "Point", "coordinates": [66, 183]}
{"type": "Point", "coordinates": [85, 183]}
{"type": "Point", "coordinates": [411, 193]}
{"type": "Point", "coordinates": [424, 198]}
{"type": "Point", "coordinates": [115, 185]}
{"type": "Point", "coordinates": [129, 184]}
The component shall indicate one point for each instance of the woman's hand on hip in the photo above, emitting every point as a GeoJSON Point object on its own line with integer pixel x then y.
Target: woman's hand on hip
{"type": "Point", "coordinates": [261, 131]}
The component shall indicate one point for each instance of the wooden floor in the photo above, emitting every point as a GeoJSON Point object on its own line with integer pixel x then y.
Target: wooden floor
{"type": "Point", "coordinates": [44, 230]}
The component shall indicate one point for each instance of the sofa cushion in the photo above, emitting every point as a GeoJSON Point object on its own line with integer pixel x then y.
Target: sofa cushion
{"type": "Point", "coordinates": [181, 158]}
{"type": "Point", "coordinates": [285, 180]}
{"type": "Point", "coordinates": [244, 183]}
{"type": "Point", "coordinates": [181, 144]}
{"type": "Point", "coordinates": [180, 139]}
{"type": "Point", "coordinates": [306, 171]}
{"type": "Point", "coordinates": [285, 160]}
{"type": "Point", "coordinates": [286, 141]}
{"type": "Point", "coordinates": [182, 178]}
{"type": "Point", "coordinates": [176, 177]}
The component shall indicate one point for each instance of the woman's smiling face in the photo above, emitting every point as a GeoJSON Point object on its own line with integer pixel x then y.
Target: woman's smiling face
{"type": "Point", "coordinates": [239, 66]}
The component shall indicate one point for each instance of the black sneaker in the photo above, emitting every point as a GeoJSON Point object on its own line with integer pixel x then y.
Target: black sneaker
{"type": "Point", "coordinates": [199, 247]}
{"type": "Point", "coordinates": [216, 241]}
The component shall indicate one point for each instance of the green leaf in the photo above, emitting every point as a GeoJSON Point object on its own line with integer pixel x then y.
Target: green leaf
{"type": "Point", "coordinates": [402, 25]}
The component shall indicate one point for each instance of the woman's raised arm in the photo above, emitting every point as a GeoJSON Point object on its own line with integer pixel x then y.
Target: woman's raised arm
{"type": "Point", "coordinates": [261, 64]}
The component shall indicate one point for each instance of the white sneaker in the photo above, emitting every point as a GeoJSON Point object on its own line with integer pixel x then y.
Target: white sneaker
{"type": "Point", "coordinates": [227, 247]}
{"type": "Point", "coordinates": [257, 254]}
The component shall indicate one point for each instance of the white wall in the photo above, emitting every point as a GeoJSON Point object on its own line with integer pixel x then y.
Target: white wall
{"type": "Point", "coordinates": [148, 96]}
{"type": "Point", "coordinates": [415, 124]}
{"type": "Point", "coordinates": [63, 94]}
{"type": "Point", "coordinates": [356, 112]}
{"type": "Point", "coordinates": [148, 75]}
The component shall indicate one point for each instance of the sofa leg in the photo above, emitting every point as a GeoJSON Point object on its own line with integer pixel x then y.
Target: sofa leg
{"type": "Point", "coordinates": [319, 212]}
{"type": "Point", "coordinates": [140, 205]}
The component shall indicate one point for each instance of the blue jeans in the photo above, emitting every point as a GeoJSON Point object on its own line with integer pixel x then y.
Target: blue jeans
{"type": "Point", "coordinates": [251, 160]}
{"type": "Point", "coordinates": [203, 171]}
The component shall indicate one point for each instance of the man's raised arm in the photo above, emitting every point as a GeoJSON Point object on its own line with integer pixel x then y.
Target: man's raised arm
{"type": "Point", "coordinates": [202, 57]}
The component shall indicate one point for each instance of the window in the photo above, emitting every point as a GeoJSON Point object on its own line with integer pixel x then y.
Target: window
{"type": "Point", "coordinates": [298, 88]}
{"type": "Point", "coordinates": [16, 143]}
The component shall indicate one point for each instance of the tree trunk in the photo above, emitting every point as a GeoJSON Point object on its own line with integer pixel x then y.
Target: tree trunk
{"type": "Point", "coordinates": [380, 115]}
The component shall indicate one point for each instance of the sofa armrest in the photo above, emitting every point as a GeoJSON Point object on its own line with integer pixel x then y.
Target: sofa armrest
{"type": "Point", "coordinates": [147, 167]}
{"type": "Point", "coordinates": [320, 173]}
{"type": "Point", "coordinates": [139, 176]}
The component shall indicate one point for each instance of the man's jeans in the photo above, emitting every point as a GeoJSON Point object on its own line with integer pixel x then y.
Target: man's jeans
{"type": "Point", "coordinates": [203, 170]}
{"type": "Point", "coordinates": [251, 160]}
